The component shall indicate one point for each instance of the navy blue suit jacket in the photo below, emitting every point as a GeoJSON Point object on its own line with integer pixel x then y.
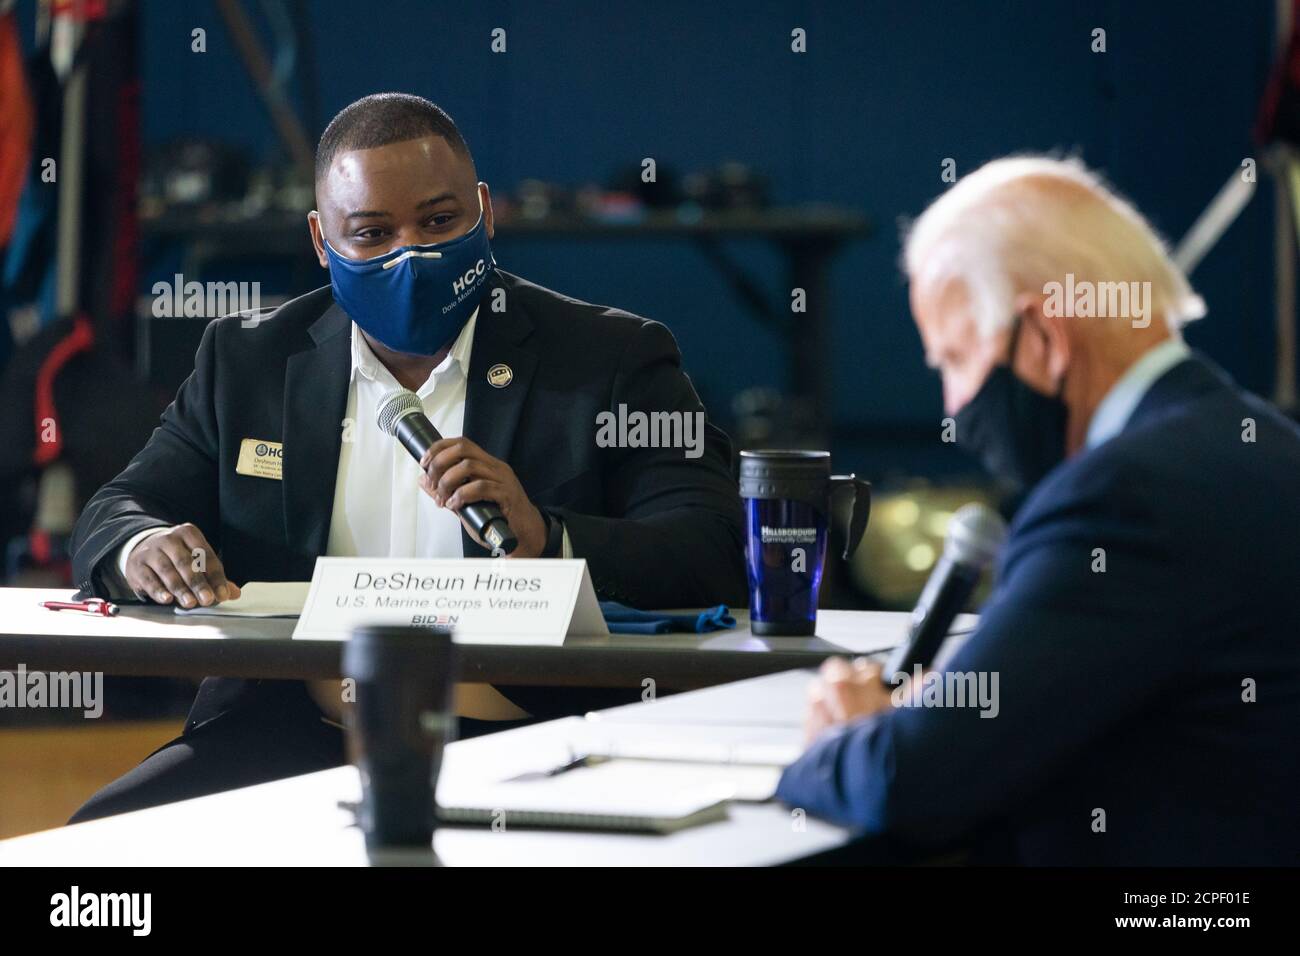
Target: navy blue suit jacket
{"type": "Point", "coordinates": [1120, 691]}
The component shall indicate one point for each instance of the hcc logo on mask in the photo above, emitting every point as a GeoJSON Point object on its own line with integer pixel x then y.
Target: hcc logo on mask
{"type": "Point", "coordinates": [460, 284]}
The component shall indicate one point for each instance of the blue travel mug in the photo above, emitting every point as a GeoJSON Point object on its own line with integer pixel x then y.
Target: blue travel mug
{"type": "Point", "coordinates": [787, 498]}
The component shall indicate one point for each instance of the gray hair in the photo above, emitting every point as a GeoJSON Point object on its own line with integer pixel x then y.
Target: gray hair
{"type": "Point", "coordinates": [1021, 223]}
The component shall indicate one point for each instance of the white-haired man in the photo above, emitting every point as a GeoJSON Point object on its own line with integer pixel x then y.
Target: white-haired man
{"type": "Point", "coordinates": [1145, 626]}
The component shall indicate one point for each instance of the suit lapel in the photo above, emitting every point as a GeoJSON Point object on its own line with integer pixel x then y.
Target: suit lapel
{"type": "Point", "coordinates": [315, 401]}
{"type": "Point", "coordinates": [492, 413]}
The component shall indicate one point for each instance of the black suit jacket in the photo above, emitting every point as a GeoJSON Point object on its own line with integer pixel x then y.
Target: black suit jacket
{"type": "Point", "coordinates": [657, 529]}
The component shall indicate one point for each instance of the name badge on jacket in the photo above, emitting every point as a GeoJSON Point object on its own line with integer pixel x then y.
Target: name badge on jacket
{"type": "Point", "coordinates": [261, 459]}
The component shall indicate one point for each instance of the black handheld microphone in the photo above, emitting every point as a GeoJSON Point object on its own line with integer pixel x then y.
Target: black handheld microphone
{"type": "Point", "coordinates": [402, 415]}
{"type": "Point", "coordinates": [975, 536]}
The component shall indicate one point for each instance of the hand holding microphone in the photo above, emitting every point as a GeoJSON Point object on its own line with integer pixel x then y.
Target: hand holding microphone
{"type": "Point", "coordinates": [845, 691]}
{"type": "Point", "coordinates": [975, 536]}
{"type": "Point", "coordinates": [461, 476]}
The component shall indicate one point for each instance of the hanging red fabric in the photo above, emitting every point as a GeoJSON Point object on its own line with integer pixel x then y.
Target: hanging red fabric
{"type": "Point", "coordinates": [81, 10]}
{"type": "Point", "coordinates": [49, 431]}
{"type": "Point", "coordinates": [1278, 117]}
{"type": "Point", "coordinates": [16, 121]}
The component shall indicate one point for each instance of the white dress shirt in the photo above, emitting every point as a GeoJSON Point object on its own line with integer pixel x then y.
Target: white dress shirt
{"type": "Point", "coordinates": [380, 511]}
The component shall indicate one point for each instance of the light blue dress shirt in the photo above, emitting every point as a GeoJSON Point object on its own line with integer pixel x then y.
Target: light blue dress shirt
{"type": "Point", "coordinates": [1117, 406]}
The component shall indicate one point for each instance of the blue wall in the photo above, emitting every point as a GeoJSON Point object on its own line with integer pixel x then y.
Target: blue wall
{"type": "Point", "coordinates": [885, 92]}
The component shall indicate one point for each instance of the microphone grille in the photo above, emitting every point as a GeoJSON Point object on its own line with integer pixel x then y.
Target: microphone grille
{"type": "Point", "coordinates": [975, 535]}
{"type": "Point", "coordinates": [394, 406]}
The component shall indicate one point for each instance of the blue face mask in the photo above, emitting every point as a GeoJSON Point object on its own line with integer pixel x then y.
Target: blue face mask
{"type": "Point", "coordinates": [415, 299]}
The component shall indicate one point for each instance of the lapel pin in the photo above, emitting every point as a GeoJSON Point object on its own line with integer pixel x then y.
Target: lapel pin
{"type": "Point", "coordinates": [499, 376]}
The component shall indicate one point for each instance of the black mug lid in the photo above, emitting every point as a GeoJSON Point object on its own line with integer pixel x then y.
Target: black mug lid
{"type": "Point", "coordinates": [379, 650]}
{"type": "Point", "coordinates": [784, 463]}
{"type": "Point", "coordinates": [782, 473]}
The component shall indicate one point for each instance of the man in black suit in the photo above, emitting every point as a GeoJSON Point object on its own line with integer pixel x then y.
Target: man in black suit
{"type": "Point", "coordinates": [514, 374]}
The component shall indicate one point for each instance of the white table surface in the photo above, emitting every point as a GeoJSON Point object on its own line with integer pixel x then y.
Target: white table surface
{"type": "Point", "coordinates": [299, 822]}
{"type": "Point", "coordinates": [153, 641]}
{"type": "Point", "coordinates": [859, 632]}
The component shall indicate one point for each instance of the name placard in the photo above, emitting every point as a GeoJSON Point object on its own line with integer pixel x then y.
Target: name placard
{"type": "Point", "coordinates": [483, 600]}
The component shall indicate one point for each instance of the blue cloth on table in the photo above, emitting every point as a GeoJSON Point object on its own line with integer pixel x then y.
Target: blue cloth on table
{"type": "Point", "coordinates": [622, 619]}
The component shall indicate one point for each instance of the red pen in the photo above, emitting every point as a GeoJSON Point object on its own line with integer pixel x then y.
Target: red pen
{"type": "Point", "coordinates": [92, 606]}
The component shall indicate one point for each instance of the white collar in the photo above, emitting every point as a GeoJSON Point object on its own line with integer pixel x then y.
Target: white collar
{"type": "Point", "coordinates": [365, 362]}
{"type": "Point", "coordinates": [1117, 406]}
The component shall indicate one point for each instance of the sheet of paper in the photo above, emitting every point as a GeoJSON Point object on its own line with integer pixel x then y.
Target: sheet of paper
{"type": "Point", "coordinates": [698, 743]}
{"type": "Point", "coordinates": [260, 599]}
{"type": "Point", "coordinates": [876, 631]}
{"type": "Point", "coordinates": [748, 784]}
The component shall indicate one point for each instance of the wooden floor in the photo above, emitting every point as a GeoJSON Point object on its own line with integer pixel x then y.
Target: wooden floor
{"type": "Point", "coordinates": [47, 773]}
